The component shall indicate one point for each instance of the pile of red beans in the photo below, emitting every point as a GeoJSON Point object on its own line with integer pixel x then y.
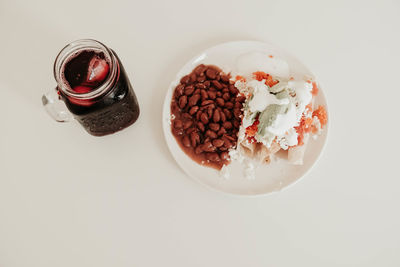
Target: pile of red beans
{"type": "Point", "coordinates": [206, 115]}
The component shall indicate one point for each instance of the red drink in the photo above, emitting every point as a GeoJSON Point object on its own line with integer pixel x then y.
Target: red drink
{"type": "Point", "coordinates": [86, 71]}
{"type": "Point", "coordinates": [95, 88]}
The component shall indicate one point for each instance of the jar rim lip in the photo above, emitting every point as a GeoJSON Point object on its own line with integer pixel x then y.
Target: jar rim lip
{"type": "Point", "coordinates": [76, 47]}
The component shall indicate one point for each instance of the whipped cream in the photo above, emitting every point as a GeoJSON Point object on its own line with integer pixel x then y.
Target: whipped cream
{"type": "Point", "coordinates": [284, 122]}
{"type": "Point", "coordinates": [262, 97]}
{"type": "Point", "coordinates": [279, 109]}
{"type": "Point", "coordinates": [303, 97]}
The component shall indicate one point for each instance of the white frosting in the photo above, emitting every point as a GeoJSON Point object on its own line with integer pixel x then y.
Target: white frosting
{"type": "Point", "coordinates": [282, 128]}
{"type": "Point", "coordinates": [303, 95]}
{"type": "Point", "coordinates": [293, 94]}
{"type": "Point", "coordinates": [235, 155]}
{"type": "Point", "coordinates": [284, 122]}
{"type": "Point", "coordinates": [288, 139]}
{"type": "Point", "coordinates": [241, 86]}
{"type": "Point", "coordinates": [262, 97]}
{"type": "Point", "coordinates": [246, 122]}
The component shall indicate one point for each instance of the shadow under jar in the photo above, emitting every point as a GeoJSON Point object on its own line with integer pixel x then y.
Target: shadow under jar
{"type": "Point", "coordinates": [93, 84]}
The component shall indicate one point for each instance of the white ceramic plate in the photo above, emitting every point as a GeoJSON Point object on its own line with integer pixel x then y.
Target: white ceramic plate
{"type": "Point", "coordinates": [269, 178]}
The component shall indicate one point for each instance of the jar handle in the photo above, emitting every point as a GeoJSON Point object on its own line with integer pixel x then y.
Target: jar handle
{"type": "Point", "coordinates": [55, 107]}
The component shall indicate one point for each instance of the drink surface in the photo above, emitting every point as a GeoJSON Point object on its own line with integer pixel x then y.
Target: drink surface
{"type": "Point", "coordinates": [86, 71]}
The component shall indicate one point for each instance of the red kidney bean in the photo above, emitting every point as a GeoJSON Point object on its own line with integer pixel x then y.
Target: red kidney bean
{"type": "Point", "coordinates": [194, 139]}
{"type": "Point", "coordinates": [193, 77]}
{"type": "Point", "coordinates": [230, 138]}
{"type": "Point", "coordinates": [210, 111]}
{"type": "Point", "coordinates": [204, 94]}
{"type": "Point", "coordinates": [193, 110]}
{"type": "Point", "coordinates": [189, 90]}
{"type": "Point", "coordinates": [174, 107]}
{"type": "Point", "coordinates": [200, 125]}
{"type": "Point", "coordinates": [218, 142]}
{"type": "Point", "coordinates": [229, 105]}
{"type": "Point", "coordinates": [187, 124]}
{"type": "Point", "coordinates": [238, 105]}
{"type": "Point", "coordinates": [186, 141]}
{"type": "Point", "coordinates": [216, 116]}
{"type": "Point", "coordinates": [233, 90]}
{"type": "Point", "coordinates": [193, 100]}
{"type": "Point", "coordinates": [223, 116]}
{"type": "Point", "coordinates": [200, 69]}
{"type": "Point", "coordinates": [207, 102]}
{"type": "Point", "coordinates": [200, 86]}
{"type": "Point", "coordinates": [212, 106]}
{"type": "Point", "coordinates": [178, 124]}
{"type": "Point", "coordinates": [232, 86]}
{"type": "Point", "coordinates": [220, 101]}
{"type": "Point", "coordinates": [204, 118]}
{"type": "Point", "coordinates": [227, 143]}
{"type": "Point", "coordinates": [221, 131]}
{"type": "Point", "coordinates": [207, 84]}
{"type": "Point", "coordinates": [225, 91]}
{"type": "Point", "coordinates": [236, 124]}
{"type": "Point", "coordinates": [225, 78]}
{"type": "Point", "coordinates": [190, 130]}
{"type": "Point", "coordinates": [201, 78]}
{"type": "Point", "coordinates": [212, 94]}
{"type": "Point", "coordinates": [185, 79]}
{"type": "Point", "coordinates": [227, 125]}
{"type": "Point", "coordinates": [179, 90]}
{"type": "Point", "coordinates": [219, 94]}
{"type": "Point", "coordinates": [213, 157]}
{"type": "Point", "coordinates": [182, 101]}
{"type": "Point", "coordinates": [215, 68]}
{"type": "Point", "coordinates": [217, 84]}
{"type": "Point", "coordinates": [214, 126]}
{"type": "Point", "coordinates": [208, 147]}
{"type": "Point", "coordinates": [186, 116]}
{"type": "Point", "coordinates": [226, 96]}
{"type": "Point", "coordinates": [211, 74]}
{"type": "Point", "coordinates": [237, 112]}
{"type": "Point", "coordinates": [228, 114]}
{"type": "Point", "coordinates": [198, 114]}
{"type": "Point", "coordinates": [179, 132]}
{"type": "Point", "coordinates": [241, 99]}
{"type": "Point", "coordinates": [198, 150]}
{"type": "Point", "coordinates": [227, 146]}
{"type": "Point", "coordinates": [211, 134]}
{"type": "Point", "coordinates": [197, 91]}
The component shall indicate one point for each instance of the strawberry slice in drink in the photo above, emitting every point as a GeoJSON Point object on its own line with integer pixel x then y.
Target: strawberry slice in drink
{"type": "Point", "coordinates": [97, 71]}
{"type": "Point", "coordinates": [80, 89]}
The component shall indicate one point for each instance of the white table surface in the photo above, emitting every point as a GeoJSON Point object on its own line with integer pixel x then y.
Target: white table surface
{"type": "Point", "coordinates": [70, 199]}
